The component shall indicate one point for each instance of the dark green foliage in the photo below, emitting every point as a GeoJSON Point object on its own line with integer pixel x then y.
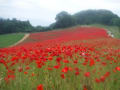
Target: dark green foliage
{"type": "Point", "coordinates": [16, 26]}
{"type": "Point", "coordinates": [116, 22]}
{"type": "Point", "coordinates": [63, 20]}
{"type": "Point", "coordinates": [13, 26]}
{"type": "Point", "coordinates": [87, 17]}
{"type": "Point", "coordinates": [95, 16]}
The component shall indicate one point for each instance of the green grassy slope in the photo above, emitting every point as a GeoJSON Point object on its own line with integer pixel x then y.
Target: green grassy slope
{"type": "Point", "coordinates": [10, 39]}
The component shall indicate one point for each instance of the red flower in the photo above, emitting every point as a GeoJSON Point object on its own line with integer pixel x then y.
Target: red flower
{"type": "Point", "coordinates": [33, 74]}
{"type": "Point", "coordinates": [20, 69]}
{"type": "Point", "coordinates": [2, 61]}
{"type": "Point", "coordinates": [117, 68]}
{"type": "Point", "coordinates": [87, 74]}
{"type": "Point", "coordinates": [9, 77]}
{"type": "Point", "coordinates": [106, 74]}
{"type": "Point", "coordinates": [50, 58]}
{"type": "Point", "coordinates": [97, 80]}
{"type": "Point", "coordinates": [49, 68]}
{"type": "Point", "coordinates": [84, 63]}
{"type": "Point", "coordinates": [65, 61]}
{"type": "Point", "coordinates": [104, 63]}
{"type": "Point", "coordinates": [102, 79]}
{"type": "Point", "coordinates": [77, 73]}
{"type": "Point", "coordinates": [85, 88]}
{"type": "Point", "coordinates": [92, 62]}
{"type": "Point", "coordinates": [57, 66]}
{"type": "Point", "coordinates": [25, 72]}
{"type": "Point", "coordinates": [65, 69]}
{"type": "Point", "coordinates": [58, 59]}
{"type": "Point", "coordinates": [63, 76]}
{"type": "Point", "coordinates": [27, 68]}
{"type": "Point", "coordinates": [75, 61]}
{"type": "Point", "coordinates": [40, 87]}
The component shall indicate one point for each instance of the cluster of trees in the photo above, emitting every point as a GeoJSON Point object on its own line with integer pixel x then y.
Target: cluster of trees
{"type": "Point", "coordinates": [14, 25]}
{"type": "Point", "coordinates": [63, 20]}
{"type": "Point", "coordinates": [106, 17]}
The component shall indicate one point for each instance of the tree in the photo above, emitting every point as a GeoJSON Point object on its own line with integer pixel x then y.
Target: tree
{"type": "Point", "coordinates": [14, 25]}
{"type": "Point", "coordinates": [63, 19]}
{"type": "Point", "coordinates": [116, 22]}
{"type": "Point", "coordinates": [95, 16]}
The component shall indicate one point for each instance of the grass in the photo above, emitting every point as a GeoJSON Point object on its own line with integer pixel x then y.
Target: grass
{"type": "Point", "coordinates": [10, 39]}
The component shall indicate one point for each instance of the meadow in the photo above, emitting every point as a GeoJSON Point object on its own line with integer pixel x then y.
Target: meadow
{"type": "Point", "coordinates": [79, 58]}
{"type": "Point", "coordinates": [113, 29]}
{"type": "Point", "coordinates": [10, 39]}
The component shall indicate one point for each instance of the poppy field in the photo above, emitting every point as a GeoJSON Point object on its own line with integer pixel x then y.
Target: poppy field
{"type": "Point", "coordinates": [81, 58]}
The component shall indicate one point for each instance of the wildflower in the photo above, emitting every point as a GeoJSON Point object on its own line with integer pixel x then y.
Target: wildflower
{"type": "Point", "coordinates": [92, 62]}
{"type": "Point", "coordinates": [65, 69]}
{"type": "Point", "coordinates": [57, 66]}
{"type": "Point", "coordinates": [27, 68]}
{"type": "Point", "coordinates": [87, 74]}
{"type": "Point", "coordinates": [75, 61]}
{"type": "Point", "coordinates": [33, 74]}
{"type": "Point", "coordinates": [77, 73]}
{"type": "Point", "coordinates": [40, 87]}
{"type": "Point", "coordinates": [65, 61]}
{"type": "Point", "coordinates": [25, 72]}
{"type": "Point", "coordinates": [50, 58]}
{"type": "Point", "coordinates": [63, 76]}
{"type": "Point", "coordinates": [102, 78]}
{"type": "Point", "coordinates": [97, 80]}
{"type": "Point", "coordinates": [20, 69]}
{"type": "Point", "coordinates": [117, 68]}
{"type": "Point", "coordinates": [85, 88]}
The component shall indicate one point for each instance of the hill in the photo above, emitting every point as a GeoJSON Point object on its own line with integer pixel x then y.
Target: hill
{"type": "Point", "coordinates": [79, 58]}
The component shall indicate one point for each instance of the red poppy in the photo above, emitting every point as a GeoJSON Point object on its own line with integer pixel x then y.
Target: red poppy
{"type": "Point", "coordinates": [40, 87]}
{"type": "Point", "coordinates": [97, 80]}
{"type": "Point", "coordinates": [92, 62]}
{"type": "Point", "coordinates": [63, 76]}
{"type": "Point", "coordinates": [117, 68]}
{"type": "Point", "coordinates": [87, 74]}
{"type": "Point", "coordinates": [25, 72]}
{"type": "Point", "coordinates": [57, 66]}
{"type": "Point", "coordinates": [65, 69]}
{"type": "Point", "coordinates": [77, 73]}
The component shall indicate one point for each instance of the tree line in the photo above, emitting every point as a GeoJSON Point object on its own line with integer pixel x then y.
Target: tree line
{"type": "Point", "coordinates": [14, 26]}
{"type": "Point", "coordinates": [63, 20]}
{"type": "Point", "coordinates": [87, 17]}
{"type": "Point", "coordinates": [18, 26]}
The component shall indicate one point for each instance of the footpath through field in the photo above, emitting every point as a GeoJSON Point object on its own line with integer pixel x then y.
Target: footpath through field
{"type": "Point", "coordinates": [25, 37]}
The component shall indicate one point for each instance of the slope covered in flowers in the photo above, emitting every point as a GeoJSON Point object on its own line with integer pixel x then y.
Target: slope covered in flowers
{"type": "Point", "coordinates": [82, 58]}
{"type": "Point", "coordinates": [78, 33]}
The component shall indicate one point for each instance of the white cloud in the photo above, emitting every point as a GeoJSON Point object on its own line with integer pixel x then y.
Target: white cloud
{"type": "Point", "coordinates": [43, 12]}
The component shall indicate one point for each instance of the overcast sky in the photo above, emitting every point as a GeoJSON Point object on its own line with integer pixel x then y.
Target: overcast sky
{"type": "Point", "coordinates": [43, 12]}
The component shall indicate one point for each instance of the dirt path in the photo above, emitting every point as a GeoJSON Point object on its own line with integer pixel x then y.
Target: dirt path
{"type": "Point", "coordinates": [25, 37]}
